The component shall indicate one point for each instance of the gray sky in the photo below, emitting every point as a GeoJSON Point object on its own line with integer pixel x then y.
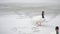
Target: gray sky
{"type": "Point", "coordinates": [29, 1]}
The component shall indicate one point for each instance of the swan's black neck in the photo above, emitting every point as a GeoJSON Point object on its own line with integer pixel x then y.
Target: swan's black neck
{"type": "Point", "coordinates": [57, 30]}
{"type": "Point", "coordinates": [42, 14]}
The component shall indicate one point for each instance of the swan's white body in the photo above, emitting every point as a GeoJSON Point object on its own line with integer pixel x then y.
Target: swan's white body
{"type": "Point", "coordinates": [38, 20]}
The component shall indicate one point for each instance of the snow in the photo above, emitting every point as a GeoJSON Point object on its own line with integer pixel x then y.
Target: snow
{"type": "Point", "coordinates": [22, 24]}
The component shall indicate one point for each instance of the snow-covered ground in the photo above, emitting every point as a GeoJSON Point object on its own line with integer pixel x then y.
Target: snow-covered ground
{"type": "Point", "coordinates": [20, 16]}
{"type": "Point", "coordinates": [12, 23]}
